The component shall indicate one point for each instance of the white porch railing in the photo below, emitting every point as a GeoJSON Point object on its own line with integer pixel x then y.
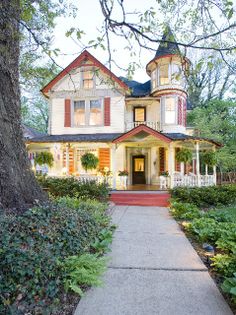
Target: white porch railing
{"type": "Point", "coordinates": [96, 178]}
{"type": "Point", "coordinates": [192, 180]}
{"type": "Point", "coordinates": [152, 124]}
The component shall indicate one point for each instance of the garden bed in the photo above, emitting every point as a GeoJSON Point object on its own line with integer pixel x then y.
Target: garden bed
{"type": "Point", "coordinates": [212, 221]}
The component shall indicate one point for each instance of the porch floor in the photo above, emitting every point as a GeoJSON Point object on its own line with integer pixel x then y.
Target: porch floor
{"type": "Point", "coordinates": [142, 188]}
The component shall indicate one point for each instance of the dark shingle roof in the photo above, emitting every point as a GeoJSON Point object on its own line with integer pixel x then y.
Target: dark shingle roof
{"type": "Point", "coordinates": [167, 48]}
{"type": "Point", "coordinates": [106, 137]}
{"type": "Point", "coordinates": [97, 137]}
{"type": "Point", "coordinates": [138, 89]}
{"type": "Point", "coordinates": [29, 133]}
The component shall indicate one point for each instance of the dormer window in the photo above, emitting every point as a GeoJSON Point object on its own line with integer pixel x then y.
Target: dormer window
{"type": "Point", "coordinates": [88, 79]}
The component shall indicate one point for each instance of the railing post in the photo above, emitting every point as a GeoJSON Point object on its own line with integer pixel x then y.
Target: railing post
{"type": "Point", "coordinates": [171, 164]}
{"type": "Point", "coordinates": [113, 156]}
{"type": "Point", "coordinates": [198, 164]}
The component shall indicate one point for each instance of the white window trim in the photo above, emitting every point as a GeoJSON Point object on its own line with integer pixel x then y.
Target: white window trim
{"type": "Point", "coordinates": [84, 69]}
{"type": "Point", "coordinates": [87, 112]}
{"type": "Point", "coordinates": [176, 116]}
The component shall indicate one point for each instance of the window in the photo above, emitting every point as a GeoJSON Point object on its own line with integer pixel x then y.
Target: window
{"type": "Point", "coordinates": [164, 74]}
{"type": "Point", "coordinates": [154, 79]}
{"type": "Point", "coordinates": [79, 113]}
{"type": "Point", "coordinates": [139, 114]}
{"type": "Point", "coordinates": [175, 73]}
{"type": "Point", "coordinates": [87, 79]}
{"type": "Point", "coordinates": [95, 116]}
{"type": "Point", "coordinates": [170, 113]}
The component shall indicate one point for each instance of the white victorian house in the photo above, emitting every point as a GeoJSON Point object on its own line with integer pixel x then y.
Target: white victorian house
{"type": "Point", "coordinates": [128, 125]}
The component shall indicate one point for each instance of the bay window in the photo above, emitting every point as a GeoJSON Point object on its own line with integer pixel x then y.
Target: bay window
{"type": "Point", "coordinates": [170, 110]}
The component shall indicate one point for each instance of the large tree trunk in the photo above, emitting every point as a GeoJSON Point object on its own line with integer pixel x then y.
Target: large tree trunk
{"type": "Point", "coordinates": [18, 186]}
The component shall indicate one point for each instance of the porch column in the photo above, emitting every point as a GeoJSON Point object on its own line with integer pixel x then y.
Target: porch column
{"type": "Point", "coordinates": [198, 164]}
{"type": "Point", "coordinates": [171, 163]}
{"type": "Point", "coordinates": [67, 158]}
{"type": "Point", "coordinates": [214, 170]}
{"type": "Point", "coordinates": [113, 163]}
{"type": "Point", "coordinates": [206, 169]}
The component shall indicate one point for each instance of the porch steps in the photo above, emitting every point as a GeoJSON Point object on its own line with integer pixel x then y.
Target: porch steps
{"type": "Point", "coordinates": [140, 198]}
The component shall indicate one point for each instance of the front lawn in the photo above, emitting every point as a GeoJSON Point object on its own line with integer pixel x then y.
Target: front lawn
{"type": "Point", "coordinates": [210, 220]}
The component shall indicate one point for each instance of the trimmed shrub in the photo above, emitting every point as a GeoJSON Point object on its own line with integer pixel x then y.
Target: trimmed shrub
{"type": "Point", "coordinates": [71, 187]}
{"type": "Point", "coordinates": [184, 211]}
{"type": "Point", "coordinates": [41, 251]}
{"type": "Point", "coordinates": [206, 196]}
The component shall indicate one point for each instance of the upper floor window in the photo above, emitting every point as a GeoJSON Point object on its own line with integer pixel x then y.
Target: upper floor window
{"type": "Point", "coordinates": [139, 114]}
{"type": "Point", "coordinates": [79, 113]}
{"type": "Point", "coordinates": [164, 74]}
{"type": "Point", "coordinates": [175, 73]}
{"type": "Point", "coordinates": [154, 79]}
{"type": "Point", "coordinates": [88, 113]}
{"type": "Point", "coordinates": [95, 117]}
{"type": "Point", "coordinates": [88, 79]}
{"type": "Point", "coordinates": [170, 110]}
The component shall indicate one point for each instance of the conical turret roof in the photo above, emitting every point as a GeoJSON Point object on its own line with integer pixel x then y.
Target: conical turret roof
{"type": "Point", "coordinates": [166, 48]}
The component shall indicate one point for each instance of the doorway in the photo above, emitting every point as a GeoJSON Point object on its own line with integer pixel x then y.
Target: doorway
{"type": "Point", "coordinates": [138, 169]}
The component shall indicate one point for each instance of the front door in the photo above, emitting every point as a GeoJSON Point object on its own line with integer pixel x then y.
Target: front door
{"type": "Point", "coordinates": [139, 169]}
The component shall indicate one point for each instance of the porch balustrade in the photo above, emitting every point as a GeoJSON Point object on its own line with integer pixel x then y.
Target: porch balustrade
{"type": "Point", "coordinates": [191, 180]}
{"type": "Point", "coordinates": [152, 124]}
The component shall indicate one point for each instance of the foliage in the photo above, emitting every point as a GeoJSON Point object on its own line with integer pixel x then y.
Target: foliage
{"type": "Point", "coordinates": [72, 187]}
{"type": "Point", "coordinates": [209, 158]}
{"type": "Point", "coordinates": [123, 173]}
{"type": "Point", "coordinates": [184, 155]}
{"type": "Point", "coordinates": [81, 270]}
{"type": "Point", "coordinates": [44, 157]}
{"type": "Point", "coordinates": [165, 173]}
{"type": "Point", "coordinates": [216, 120]}
{"type": "Point", "coordinates": [42, 250]}
{"type": "Point", "coordinates": [229, 286]}
{"type": "Point", "coordinates": [186, 211]}
{"type": "Point", "coordinates": [89, 161]}
{"type": "Point", "coordinates": [206, 196]}
{"type": "Point", "coordinates": [224, 264]}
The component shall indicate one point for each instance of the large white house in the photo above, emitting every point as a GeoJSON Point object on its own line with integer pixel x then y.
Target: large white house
{"type": "Point", "coordinates": [128, 125]}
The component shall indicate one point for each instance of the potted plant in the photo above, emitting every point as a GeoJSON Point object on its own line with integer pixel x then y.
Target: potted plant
{"type": "Point", "coordinates": [209, 159]}
{"type": "Point", "coordinates": [44, 158]}
{"type": "Point", "coordinates": [184, 155]}
{"type": "Point", "coordinates": [123, 178]}
{"type": "Point", "coordinates": [89, 161]}
{"type": "Point", "coordinates": [106, 173]}
{"type": "Point", "coordinates": [165, 174]}
{"type": "Point", "coordinates": [123, 173]}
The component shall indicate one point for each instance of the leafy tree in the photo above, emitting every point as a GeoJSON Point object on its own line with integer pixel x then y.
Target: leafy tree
{"type": "Point", "coordinates": [217, 120]}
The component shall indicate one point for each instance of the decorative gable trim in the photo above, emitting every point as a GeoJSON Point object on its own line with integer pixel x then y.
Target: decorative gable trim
{"type": "Point", "coordinates": [85, 56]}
{"type": "Point", "coordinates": [139, 128]}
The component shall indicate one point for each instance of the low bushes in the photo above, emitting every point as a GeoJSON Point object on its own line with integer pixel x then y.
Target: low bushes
{"type": "Point", "coordinates": [206, 196]}
{"type": "Point", "coordinates": [70, 186]}
{"type": "Point", "coordinates": [216, 226]}
{"type": "Point", "coordinates": [49, 250]}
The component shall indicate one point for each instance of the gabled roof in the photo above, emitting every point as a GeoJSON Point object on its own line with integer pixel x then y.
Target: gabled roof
{"type": "Point", "coordinates": [29, 133]}
{"type": "Point", "coordinates": [85, 56]}
{"type": "Point", "coordinates": [138, 89]}
{"type": "Point", "coordinates": [166, 48]}
{"type": "Point", "coordinates": [139, 129]}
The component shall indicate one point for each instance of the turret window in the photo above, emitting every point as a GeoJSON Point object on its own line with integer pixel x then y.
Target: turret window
{"type": "Point", "coordinates": [175, 73]}
{"type": "Point", "coordinates": [154, 79]}
{"type": "Point", "coordinates": [164, 74]}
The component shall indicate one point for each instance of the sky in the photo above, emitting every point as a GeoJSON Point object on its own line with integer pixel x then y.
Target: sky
{"type": "Point", "coordinates": [89, 18]}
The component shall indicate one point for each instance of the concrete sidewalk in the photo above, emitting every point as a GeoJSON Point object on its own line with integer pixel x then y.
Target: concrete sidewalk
{"type": "Point", "coordinates": [153, 270]}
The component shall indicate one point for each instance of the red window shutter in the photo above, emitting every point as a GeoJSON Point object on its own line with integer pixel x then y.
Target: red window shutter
{"type": "Point", "coordinates": [184, 112]}
{"type": "Point", "coordinates": [67, 122]}
{"type": "Point", "coordinates": [177, 164]}
{"type": "Point", "coordinates": [107, 111]}
{"type": "Point", "coordinates": [104, 158]}
{"type": "Point", "coordinates": [162, 163]}
{"type": "Point", "coordinates": [180, 111]}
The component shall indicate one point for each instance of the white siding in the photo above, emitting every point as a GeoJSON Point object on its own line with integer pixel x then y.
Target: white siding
{"type": "Point", "coordinates": [58, 113]}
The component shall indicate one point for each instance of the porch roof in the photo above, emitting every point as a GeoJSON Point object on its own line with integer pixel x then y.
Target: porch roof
{"type": "Point", "coordinates": [117, 137]}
